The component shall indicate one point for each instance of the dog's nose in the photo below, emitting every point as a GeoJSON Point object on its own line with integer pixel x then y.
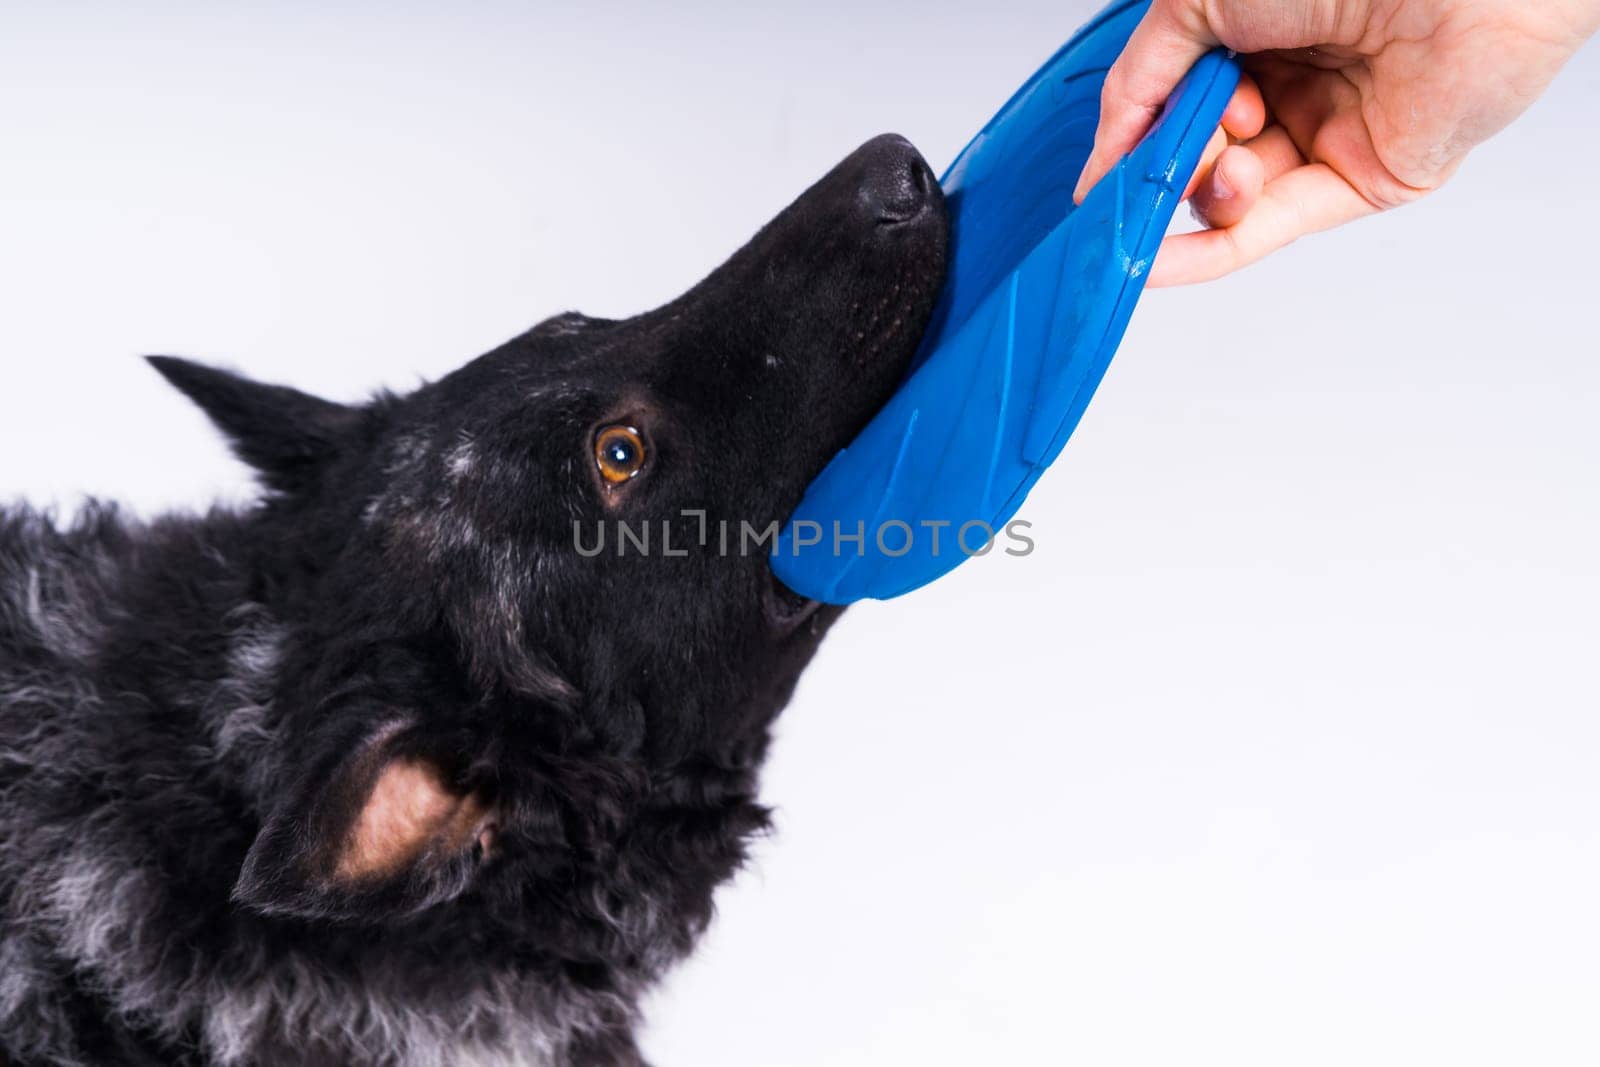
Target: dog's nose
{"type": "Point", "coordinates": [897, 186]}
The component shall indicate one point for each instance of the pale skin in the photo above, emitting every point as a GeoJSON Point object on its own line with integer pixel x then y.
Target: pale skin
{"type": "Point", "coordinates": [1348, 107]}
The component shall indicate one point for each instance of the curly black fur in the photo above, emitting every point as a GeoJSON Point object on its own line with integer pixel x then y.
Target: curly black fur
{"type": "Point", "coordinates": [197, 713]}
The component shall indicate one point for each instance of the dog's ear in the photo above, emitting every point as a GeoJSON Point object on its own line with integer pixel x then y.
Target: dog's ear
{"type": "Point", "coordinates": [286, 435]}
{"type": "Point", "coordinates": [381, 828]}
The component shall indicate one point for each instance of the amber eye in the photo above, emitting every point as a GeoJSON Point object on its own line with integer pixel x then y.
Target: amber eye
{"type": "Point", "coordinates": [619, 452]}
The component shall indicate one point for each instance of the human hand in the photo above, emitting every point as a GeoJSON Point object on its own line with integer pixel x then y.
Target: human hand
{"type": "Point", "coordinates": [1348, 107]}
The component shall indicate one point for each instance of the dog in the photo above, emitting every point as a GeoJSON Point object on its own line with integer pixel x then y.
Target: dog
{"type": "Point", "coordinates": [396, 767]}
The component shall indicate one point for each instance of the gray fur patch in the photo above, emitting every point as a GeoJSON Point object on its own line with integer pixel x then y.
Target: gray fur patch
{"type": "Point", "coordinates": [77, 894]}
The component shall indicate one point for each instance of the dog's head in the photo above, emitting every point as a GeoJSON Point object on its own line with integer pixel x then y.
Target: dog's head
{"type": "Point", "coordinates": [527, 594]}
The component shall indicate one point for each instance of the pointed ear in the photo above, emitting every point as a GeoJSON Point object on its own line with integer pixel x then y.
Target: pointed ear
{"type": "Point", "coordinates": [286, 435]}
{"type": "Point", "coordinates": [383, 831]}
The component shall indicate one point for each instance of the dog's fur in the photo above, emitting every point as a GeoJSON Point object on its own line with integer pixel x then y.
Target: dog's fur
{"type": "Point", "coordinates": [384, 771]}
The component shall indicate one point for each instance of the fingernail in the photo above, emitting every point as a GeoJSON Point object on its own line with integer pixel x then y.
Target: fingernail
{"type": "Point", "coordinates": [1082, 188]}
{"type": "Point", "coordinates": [1220, 189]}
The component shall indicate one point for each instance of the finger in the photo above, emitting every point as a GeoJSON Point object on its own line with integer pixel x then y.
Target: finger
{"type": "Point", "coordinates": [1243, 120]}
{"type": "Point", "coordinates": [1277, 156]}
{"type": "Point", "coordinates": [1277, 152]}
{"type": "Point", "coordinates": [1306, 200]}
{"type": "Point", "coordinates": [1166, 43]}
{"type": "Point", "coordinates": [1325, 116]}
{"type": "Point", "coordinates": [1246, 115]}
{"type": "Point", "coordinates": [1208, 159]}
{"type": "Point", "coordinates": [1303, 98]}
{"type": "Point", "coordinates": [1231, 190]}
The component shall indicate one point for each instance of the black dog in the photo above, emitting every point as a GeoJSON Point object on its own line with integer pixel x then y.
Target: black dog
{"type": "Point", "coordinates": [396, 768]}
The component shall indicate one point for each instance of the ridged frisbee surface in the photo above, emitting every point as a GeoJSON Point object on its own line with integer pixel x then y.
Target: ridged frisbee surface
{"type": "Point", "coordinates": [1038, 297]}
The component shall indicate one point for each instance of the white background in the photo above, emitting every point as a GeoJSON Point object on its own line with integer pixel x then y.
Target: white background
{"type": "Point", "coordinates": [1285, 745]}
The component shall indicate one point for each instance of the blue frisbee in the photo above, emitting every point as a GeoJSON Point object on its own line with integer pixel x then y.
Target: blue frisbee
{"type": "Point", "coordinates": [1038, 297]}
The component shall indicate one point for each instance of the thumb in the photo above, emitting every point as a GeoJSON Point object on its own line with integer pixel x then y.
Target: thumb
{"type": "Point", "coordinates": [1166, 43]}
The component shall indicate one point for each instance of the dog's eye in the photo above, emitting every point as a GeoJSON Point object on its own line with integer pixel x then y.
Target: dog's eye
{"type": "Point", "coordinates": [619, 452]}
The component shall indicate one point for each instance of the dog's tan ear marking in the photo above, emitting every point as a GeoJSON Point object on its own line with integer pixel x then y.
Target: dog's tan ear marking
{"type": "Point", "coordinates": [378, 827]}
{"type": "Point", "coordinates": [409, 813]}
